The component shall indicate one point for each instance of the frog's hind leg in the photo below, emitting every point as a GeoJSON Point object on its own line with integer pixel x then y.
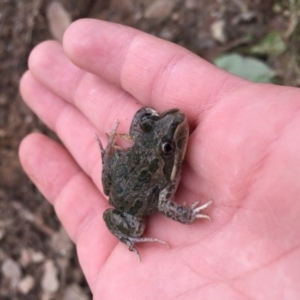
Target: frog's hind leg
{"type": "Point", "coordinates": [128, 229]}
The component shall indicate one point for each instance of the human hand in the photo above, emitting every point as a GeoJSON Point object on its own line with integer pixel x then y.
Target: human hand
{"type": "Point", "coordinates": [243, 153]}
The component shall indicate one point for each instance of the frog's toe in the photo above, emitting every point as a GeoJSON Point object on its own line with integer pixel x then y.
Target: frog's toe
{"type": "Point", "coordinates": [100, 144]}
{"type": "Point", "coordinates": [130, 241]}
{"type": "Point", "coordinates": [196, 214]}
{"type": "Point", "coordinates": [133, 249]}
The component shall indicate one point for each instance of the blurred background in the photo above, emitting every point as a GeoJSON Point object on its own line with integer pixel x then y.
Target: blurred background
{"type": "Point", "coordinates": [255, 39]}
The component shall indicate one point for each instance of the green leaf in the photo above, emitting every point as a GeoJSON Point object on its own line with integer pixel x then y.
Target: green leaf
{"type": "Point", "coordinates": [271, 45]}
{"type": "Point", "coordinates": [246, 67]}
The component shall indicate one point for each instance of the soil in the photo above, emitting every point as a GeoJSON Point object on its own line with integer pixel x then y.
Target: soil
{"type": "Point", "coordinates": [30, 234]}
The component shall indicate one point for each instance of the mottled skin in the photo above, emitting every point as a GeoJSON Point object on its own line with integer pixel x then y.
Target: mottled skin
{"type": "Point", "coordinates": [141, 180]}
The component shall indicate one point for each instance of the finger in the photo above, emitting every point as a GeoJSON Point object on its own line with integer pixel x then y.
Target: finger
{"type": "Point", "coordinates": [77, 202]}
{"type": "Point", "coordinates": [156, 72]}
{"type": "Point", "coordinates": [101, 102]}
{"type": "Point", "coordinates": [75, 131]}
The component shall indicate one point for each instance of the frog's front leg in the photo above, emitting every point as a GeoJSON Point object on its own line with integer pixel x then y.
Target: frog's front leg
{"type": "Point", "coordinates": [128, 229]}
{"type": "Point", "coordinates": [181, 213]}
{"type": "Point", "coordinates": [106, 153]}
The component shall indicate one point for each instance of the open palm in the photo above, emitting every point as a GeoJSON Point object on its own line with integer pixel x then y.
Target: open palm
{"type": "Point", "coordinates": [243, 154]}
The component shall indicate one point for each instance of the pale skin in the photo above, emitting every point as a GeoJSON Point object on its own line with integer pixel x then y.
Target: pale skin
{"type": "Point", "coordinates": [243, 153]}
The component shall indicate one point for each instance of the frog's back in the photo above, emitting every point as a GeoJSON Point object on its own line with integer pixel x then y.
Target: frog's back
{"type": "Point", "coordinates": [136, 182]}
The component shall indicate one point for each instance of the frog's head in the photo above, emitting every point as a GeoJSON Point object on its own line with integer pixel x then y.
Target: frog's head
{"type": "Point", "coordinates": [167, 133]}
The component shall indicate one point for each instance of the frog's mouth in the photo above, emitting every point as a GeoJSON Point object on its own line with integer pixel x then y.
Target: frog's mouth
{"type": "Point", "coordinates": [169, 112]}
{"type": "Point", "coordinates": [180, 138]}
{"type": "Point", "coordinates": [177, 136]}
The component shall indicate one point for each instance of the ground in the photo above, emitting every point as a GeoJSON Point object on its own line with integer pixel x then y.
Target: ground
{"type": "Point", "coordinates": [37, 260]}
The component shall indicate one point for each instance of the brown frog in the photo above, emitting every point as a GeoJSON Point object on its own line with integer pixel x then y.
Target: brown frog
{"type": "Point", "coordinates": [142, 179]}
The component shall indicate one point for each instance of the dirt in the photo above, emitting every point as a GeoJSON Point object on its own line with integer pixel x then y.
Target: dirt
{"type": "Point", "coordinates": [28, 224]}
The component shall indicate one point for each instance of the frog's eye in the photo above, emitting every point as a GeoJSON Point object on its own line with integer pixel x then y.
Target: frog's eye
{"type": "Point", "coordinates": [147, 121]}
{"type": "Point", "coordinates": [146, 116]}
{"type": "Point", "coordinates": [167, 147]}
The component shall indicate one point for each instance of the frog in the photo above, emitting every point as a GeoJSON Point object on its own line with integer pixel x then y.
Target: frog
{"type": "Point", "coordinates": [141, 180]}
